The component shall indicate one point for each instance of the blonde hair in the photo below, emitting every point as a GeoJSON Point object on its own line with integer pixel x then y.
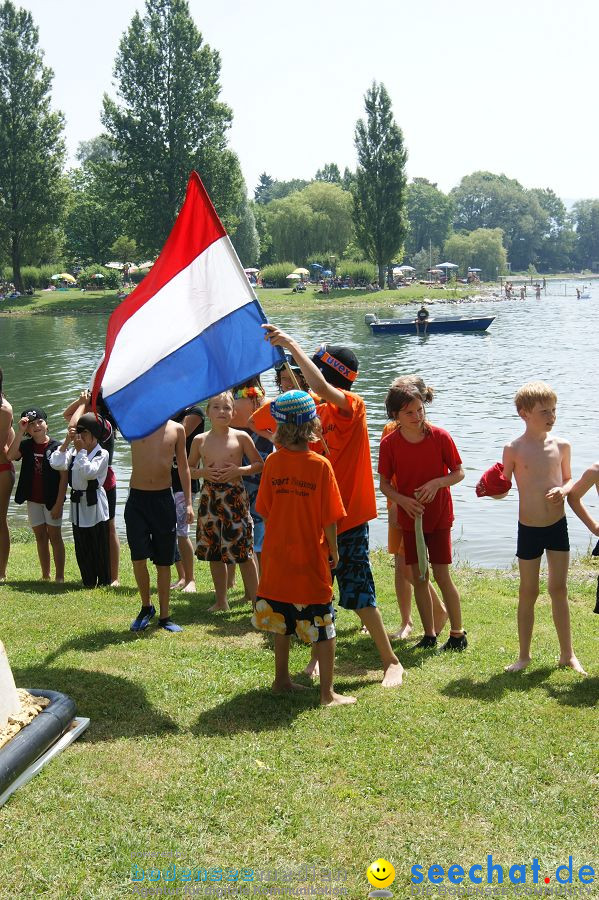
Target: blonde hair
{"type": "Point", "coordinates": [288, 434]}
{"type": "Point", "coordinates": [223, 394]}
{"type": "Point", "coordinates": [534, 392]}
{"type": "Point", "coordinates": [404, 390]}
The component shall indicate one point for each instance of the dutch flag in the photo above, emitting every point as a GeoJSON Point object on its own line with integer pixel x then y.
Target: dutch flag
{"type": "Point", "coordinates": [191, 329]}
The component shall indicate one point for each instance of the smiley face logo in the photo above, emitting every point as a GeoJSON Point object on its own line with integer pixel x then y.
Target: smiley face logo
{"type": "Point", "coordinates": [380, 873]}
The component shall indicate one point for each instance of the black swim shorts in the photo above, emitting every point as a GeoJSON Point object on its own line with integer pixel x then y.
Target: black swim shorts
{"type": "Point", "coordinates": [151, 523]}
{"type": "Point", "coordinates": [533, 541]}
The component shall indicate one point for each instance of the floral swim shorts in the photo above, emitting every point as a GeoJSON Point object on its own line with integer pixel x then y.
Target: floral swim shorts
{"type": "Point", "coordinates": [310, 624]}
{"type": "Point", "coordinates": [225, 530]}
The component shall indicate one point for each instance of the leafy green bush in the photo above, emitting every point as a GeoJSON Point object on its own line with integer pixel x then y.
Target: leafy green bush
{"type": "Point", "coordinates": [360, 272]}
{"type": "Point", "coordinates": [33, 276]}
{"type": "Point", "coordinates": [276, 274]}
{"type": "Point", "coordinates": [112, 278]}
{"type": "Point", "coordinates": [138, 275]}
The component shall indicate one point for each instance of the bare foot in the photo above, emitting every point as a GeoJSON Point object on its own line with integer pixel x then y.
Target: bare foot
{"type": "Point", "coordinates": [219, 607]}
{"type": "Point", "coordinates": [115, 583]}
{"type": "Point", "coordinates": [312, 670]}
{"type": "Point", "coordinates": [45, 578]}
{"type": "Point", "coordinates": [334, 699]}
{"type": "Point", "coordinates": [287, 687]}
{"type": "Point", "coordinates": [364, 630]}
{"type": "Point", "coordinates": [518, 665]}
{"type": "Point", "coordinates": [572, 663]}
{"type": "Point", "coordinates": [177, 585]}
{"type": "Point", "coordinates": [59, 580]}
{"type": "Point", "coordinates": [2, 579]}
{"type": "Point", "coordinates": [402, 633]}
{"type": "Point", "coordinates": [190, 588]}
{"type": "Point", "coordinates": [393, 675]}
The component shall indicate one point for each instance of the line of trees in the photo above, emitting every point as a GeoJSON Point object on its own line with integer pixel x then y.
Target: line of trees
{"type": "Point", "coordinates": [168, 118]}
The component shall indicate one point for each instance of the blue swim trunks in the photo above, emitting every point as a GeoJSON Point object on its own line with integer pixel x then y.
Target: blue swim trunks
{"type": "Point", "coordinates": [353, 574]}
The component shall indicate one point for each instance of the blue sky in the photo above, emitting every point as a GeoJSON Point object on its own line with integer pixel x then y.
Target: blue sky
{"type": "Point", "coordinates": [509, 87]}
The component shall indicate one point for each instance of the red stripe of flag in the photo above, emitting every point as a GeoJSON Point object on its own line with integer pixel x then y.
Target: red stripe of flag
{"type": "Point", "coordinates": [196, 228]}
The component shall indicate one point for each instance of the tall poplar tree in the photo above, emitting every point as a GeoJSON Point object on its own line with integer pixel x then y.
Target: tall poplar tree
{"type": "Point", "coordinates": [169, 121]}
{"type": "Point", "coordinates": [32, 188]}
{"type": "Point", "coordinates": [379, 185]}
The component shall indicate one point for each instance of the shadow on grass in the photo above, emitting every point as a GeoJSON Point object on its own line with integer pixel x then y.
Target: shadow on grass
{"type": "Point", "coordinates": [584, 693]}
{"type": "Point", "coordinates": [116, 706]}
{"type": "Point", "coordinates": [359, 655]}
{"type": "Point", "coordinates": [261, 710]}
{"type": "Point", "coordinates": [497, 685]}
{"type": "Point", "coordinates": [94, 641]}
{"type": "Point", "coordinates": [37, 586]}
{"type": "Point", "coordinates": [192, 609]}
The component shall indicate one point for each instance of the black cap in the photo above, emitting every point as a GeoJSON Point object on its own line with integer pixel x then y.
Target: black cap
{"type": "Point", "coordinates": [33, 413]}
{"type": "Point", "coordinates": [339, 365]}
{"type": "Point", "coordinates": [88, 422]}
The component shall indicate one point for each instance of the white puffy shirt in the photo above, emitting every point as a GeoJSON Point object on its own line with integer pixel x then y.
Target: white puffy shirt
{"type": "Point", "coordinates": [85, 468]}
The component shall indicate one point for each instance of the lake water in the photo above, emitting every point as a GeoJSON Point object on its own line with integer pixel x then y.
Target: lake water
{"type": "Point", "coordinates": [47, 361]}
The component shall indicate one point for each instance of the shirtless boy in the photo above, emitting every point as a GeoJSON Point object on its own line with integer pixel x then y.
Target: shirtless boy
{"type": "Point", "coordinates": [224, 531]}
{"type": "Point", "coordinates": [541, 466]}
{"type": "Point", "coordinates": [151, 519]}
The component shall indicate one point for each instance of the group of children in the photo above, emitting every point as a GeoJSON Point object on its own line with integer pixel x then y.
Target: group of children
{"type": "Point", "coordinates": [311, 502]}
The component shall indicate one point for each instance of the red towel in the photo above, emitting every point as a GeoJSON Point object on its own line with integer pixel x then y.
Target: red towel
{"type": "Point", "coordinates": [492, 483]}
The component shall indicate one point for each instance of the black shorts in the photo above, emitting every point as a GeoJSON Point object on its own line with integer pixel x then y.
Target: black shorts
{"type": "Point", "coordinates": [111, 497]}
{"type": "Point", "coordinates": [533, 541]}
{"type": "Point", "coordinates": [151, 523]}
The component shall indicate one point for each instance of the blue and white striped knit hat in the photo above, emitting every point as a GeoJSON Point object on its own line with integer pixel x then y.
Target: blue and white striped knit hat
{"type": "Point", "coordinates": [293, 408]}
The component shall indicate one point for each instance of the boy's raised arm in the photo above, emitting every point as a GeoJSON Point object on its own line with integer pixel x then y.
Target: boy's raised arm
{"type": "Point", "coordinates": [577, 492]}
{"type": "Point", "coordinates": [311, 373]}
{"type": "Point", "coordinates": [76, 409]}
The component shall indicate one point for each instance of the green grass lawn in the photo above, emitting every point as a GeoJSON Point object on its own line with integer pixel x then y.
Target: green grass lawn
{"type": "Point", "coordinates": [188, 752]}
{"type": "Point", "coordinates": [74, 301]}
{"type": "Point", "coordinates": [57, 303]}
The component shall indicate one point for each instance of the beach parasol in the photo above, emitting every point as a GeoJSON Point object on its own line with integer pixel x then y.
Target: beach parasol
{"type": "Point", "coordinates": [251, 271]}
{"type": "Point", "coordinates": [301, 271]}
{"type": "Point", "coordinates": [447, 265]}
{"type": "Point", "coordinates": [293, 277]}
{"type": "Point", "coordinates": [64, 276]}
{"type": "Point", "coordinates": [98, 275]}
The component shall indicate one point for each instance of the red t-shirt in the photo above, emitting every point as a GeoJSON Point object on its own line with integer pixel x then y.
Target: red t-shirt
{"type": "Point", "coordinates": [412, 465]}
{"type": "Point", "coordinates": [37, 484]}
{"type": "Point", "coordinates": [346, 434]}
{"type": "Point", "coordinates": [298, 495]}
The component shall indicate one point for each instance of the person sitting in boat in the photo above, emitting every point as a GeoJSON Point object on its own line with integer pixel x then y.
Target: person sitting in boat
{"type": "Point", "coordinates": [422, 317]}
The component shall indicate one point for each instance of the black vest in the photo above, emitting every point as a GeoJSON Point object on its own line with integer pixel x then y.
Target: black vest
{"type": "Point", "coordinates": [50, 477]}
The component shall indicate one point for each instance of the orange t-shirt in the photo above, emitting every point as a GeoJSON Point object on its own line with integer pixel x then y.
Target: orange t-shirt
{"type": "Point", "coordinates": [346, 434]}
{"type": "Point", "coordinates": [298, 496]}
